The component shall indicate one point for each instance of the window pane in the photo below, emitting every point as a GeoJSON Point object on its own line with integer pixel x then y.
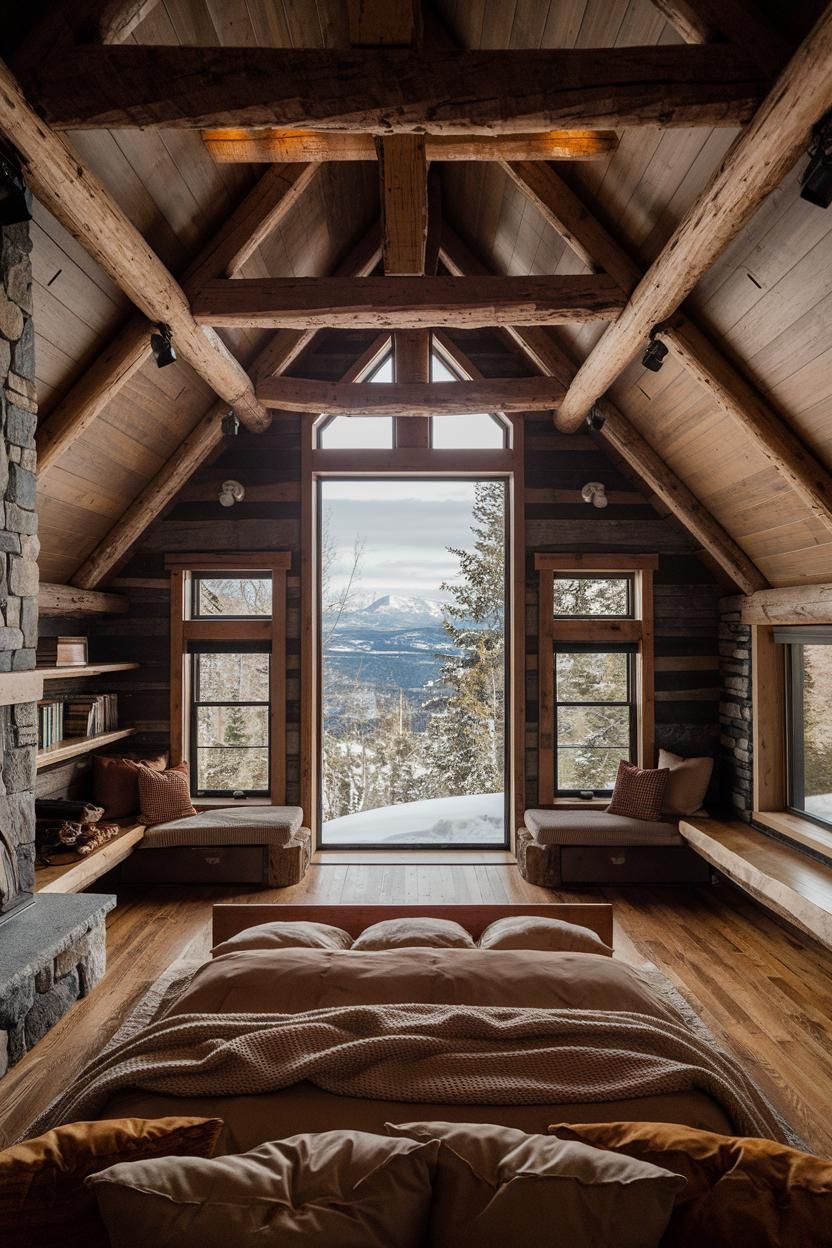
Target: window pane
{"type": "Point", "coordinates": [591, 595]}
{"type": "Point", "coordinates": [586, 768]}
{"type": "Point", "coordinates": [249, 595]}
{"type": "Point", "coordinates": [228, 768]}
{"type": "Point", "coordinates": [356, 433]}
{"type": "Point", "coordinates": [241, 727]}
{"type": "Point", "coordinates": [817, 731]}
{"type": "Point", "coordinates": [594, 727]}
{"type": "Point", "coordinates": [480, 432]}
{"type": "Point", "coordinates": [591, 677]}
{"type": "Point", "coordinates": [223, 677]}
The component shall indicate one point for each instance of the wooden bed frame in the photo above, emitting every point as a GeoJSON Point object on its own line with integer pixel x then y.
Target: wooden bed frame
{"type": "Point", "coordinates": [231, 919]}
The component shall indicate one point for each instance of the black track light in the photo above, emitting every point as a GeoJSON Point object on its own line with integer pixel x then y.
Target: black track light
{"type": "Point", "coordinates": [595, 418]}
{"type": "Point", "coordinates": [230, 424]}
{"type": "Point", "coordinates": [653, 357]}
{"type": "Point", "coordinates": [816, 183]}
{"type": "Point", "coordinates": [162, 347]}
{"type": "Point", "coordinates": [15, 196]}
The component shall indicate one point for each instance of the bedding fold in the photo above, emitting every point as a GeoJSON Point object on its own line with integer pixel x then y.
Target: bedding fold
{"type": "Point", "coordinates": [448, 1054]}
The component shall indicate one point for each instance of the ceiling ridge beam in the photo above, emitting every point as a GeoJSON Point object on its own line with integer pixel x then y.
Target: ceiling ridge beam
{"type": "Point", "coordinates": [698, 355]}
{"type": "Point", "coordinates": [279, 353]}
{"type": "Point", "coordinates": [755, 164]}
{"type": "Point", "coordinates": [81, 202]}
{"type": "Point", "coordinates": [260, 212]}
{"type": "Point", "coordinates": [389, 90]}
{"type": "Point", "coordinates": [545, 353]}
{"type": "Point", "coordinates": [410, 399]}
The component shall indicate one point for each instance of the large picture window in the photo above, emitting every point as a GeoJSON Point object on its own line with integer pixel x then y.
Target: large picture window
{"type": "Point", "coordinates": [809, 726]}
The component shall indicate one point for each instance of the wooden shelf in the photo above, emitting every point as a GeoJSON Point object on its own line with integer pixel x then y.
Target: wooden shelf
{"type": "Point", "coordinates": [67, 873]}
{"type": "Point", "coordinates": [80, 671]}
{"type": "Point", "coordinates": [71, 747]}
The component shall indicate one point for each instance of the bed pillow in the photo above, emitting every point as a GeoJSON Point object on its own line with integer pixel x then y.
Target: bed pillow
{"type": "Point", "coordinates": [532, 932]}
{"type": "Point", "coordinates": [739, 1190]}
{"type": "Point", "coordinates": [497, 1186]}
{"type": "Point", "coordinates": [687, 782]}
{"type": "Point", "coordinates": [638, 792]}
{"type": "Point", "coordinates": [295, 935]}
{"type": "Point", "coordinates": [115, 781]}
{"type": "Point", "coordinates": [164, 795]}
{"type": "Point", "coordinates": [43, 1200]}
{"type": "Point", "coordinates": [411, 932]}
{"type": "Point", "coordinates": [344, 1188]}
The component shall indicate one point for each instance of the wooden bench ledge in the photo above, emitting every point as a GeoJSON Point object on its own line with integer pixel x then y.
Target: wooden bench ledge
{"type": "Point", "coordinates": [71, 874]}
{"type": "Point", "coordinates": [778, 876]}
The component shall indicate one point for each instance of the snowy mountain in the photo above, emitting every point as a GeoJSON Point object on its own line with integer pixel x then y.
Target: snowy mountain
{"type": "Point", "coordinates": [392, 613]}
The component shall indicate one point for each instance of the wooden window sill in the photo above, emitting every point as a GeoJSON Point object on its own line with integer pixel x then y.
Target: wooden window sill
{"type": "Point", "coordinates": [795, 828]}
{"type": "Point", "coordinates": [580, 803]}
{"type": "Point", "coordinates": [209, 803]}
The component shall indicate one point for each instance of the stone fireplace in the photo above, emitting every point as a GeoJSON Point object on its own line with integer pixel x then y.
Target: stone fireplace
{"type": "Point", "coordinates": [52, 947]}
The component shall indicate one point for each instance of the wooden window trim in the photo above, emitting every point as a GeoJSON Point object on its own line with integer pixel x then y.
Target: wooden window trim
{"type": "Point", "coordinates": [639, 631]}
{"type": "Point", "coordinates": [184, 629]}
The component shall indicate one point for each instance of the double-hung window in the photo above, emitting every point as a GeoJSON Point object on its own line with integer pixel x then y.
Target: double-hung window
{"type": "Point", "coordinates": [595, 667]}
{"type": "Point", "coordinates": [808, 721]}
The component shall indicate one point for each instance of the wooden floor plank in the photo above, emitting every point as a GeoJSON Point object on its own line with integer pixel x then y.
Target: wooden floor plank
{"type": "Point", "coordinates": [764, 989]}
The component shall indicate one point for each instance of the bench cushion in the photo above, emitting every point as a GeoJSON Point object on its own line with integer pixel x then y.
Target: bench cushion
{"type": "Point", "coordinates": [596, 827]}
{"type": "Point", "coordinates": [228, 825]}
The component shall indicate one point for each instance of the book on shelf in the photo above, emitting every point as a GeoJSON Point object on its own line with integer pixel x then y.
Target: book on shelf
{"type": "Point", "coordinates": [50, 722]}
{"type": "Point", "coordinates": [60, 719]}
{"type": "Point", "coordinates": [61, 652]}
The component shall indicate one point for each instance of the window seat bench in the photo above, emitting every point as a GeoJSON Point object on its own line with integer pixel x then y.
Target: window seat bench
{"type": "Point", "coordinates": [780, 877]}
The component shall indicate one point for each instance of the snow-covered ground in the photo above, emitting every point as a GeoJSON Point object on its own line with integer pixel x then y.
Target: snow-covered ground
{"type": "Point", "coordinates": [478, 819]}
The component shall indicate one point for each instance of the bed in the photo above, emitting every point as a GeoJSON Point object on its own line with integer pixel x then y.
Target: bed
{"type": "Point", "coordinates": [403, 1009]}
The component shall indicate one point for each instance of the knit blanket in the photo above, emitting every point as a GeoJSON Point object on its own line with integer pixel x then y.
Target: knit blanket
{"type": "Point", "coordinates": [447, 1054]}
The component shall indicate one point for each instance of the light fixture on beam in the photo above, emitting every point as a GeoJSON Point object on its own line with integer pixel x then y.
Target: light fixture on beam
{"type": "Point", "coordinates": [595, 419]}
{"type": "Point", "coordinates": [231, 492]}
{"type": "Point", "coordinates": [595, 492]}
{"type": "Point", "coordinates": [15, 196]}
{"type": "Point", "coordinates": [654, 356]}
{"type": "Point", "coordinates": [162, 346]}
{"type": "Point", "coordinates": [816, 183]}
{"type": "Point", "coordinates": [230, 424]}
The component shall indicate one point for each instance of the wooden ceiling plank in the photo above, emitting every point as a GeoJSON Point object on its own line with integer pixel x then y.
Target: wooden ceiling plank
{"type": "Point", "coordinates": [403, 175]}
{"type": "Point", "coordinates": [279, 353]}
{"type": "Point", "coordinates": [260, 212]}
{"type": "Point", "coordinates": [389, 90]}
{"type": "Point", "coordinates": [289, 146]}
{"type": "Point", "coordinates": [544, 352]}
{"type": "Point", "coordinates": [398, 303]}
{"type": "Point", "coordinates": [82, 203]}
{"type": "Point", "coordinates": [410, 399]}
{"type": "Point", "coordinates": [756, 163]}
{"type": "Point", "coordinates": [772, 435]}
{"type": "Point", "coordinates": [392, 23]}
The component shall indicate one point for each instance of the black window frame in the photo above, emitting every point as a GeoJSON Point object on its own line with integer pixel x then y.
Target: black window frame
{"type": "Point", "coordinates": [196, 648]}
{"type": "Point", "coordinates": [246, 574]}
{"type": "Point", "coordinates": [580, 575]}
{"type": "Point", "coordinates": [601, 647]}
{"type": "Point", "coordinates": [795, 639]}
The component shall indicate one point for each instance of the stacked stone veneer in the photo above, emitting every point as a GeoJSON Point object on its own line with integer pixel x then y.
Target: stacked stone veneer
{"type": "Point", "coordinates": [735, 715]}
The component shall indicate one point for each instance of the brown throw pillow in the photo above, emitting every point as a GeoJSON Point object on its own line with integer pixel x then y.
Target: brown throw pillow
{"type": "Point", "coordinates": [497, 1187]}
{"type": "Point", "coordinates": [164, 795]}
{"type": "Point", "coordinates": [115, 781]}
{"type": "Point", "coordinates": [739, 1190]}
{"type": "Point", "coordinates": [43, 1200]}
{"type": "Point", "coordinates": [687, 783]}
{"type": "Point", "coordinates": [638, 792]}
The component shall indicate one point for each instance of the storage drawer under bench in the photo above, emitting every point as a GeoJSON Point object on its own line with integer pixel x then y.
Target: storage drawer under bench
{"type": "Point", "coordinates": [632, 864]}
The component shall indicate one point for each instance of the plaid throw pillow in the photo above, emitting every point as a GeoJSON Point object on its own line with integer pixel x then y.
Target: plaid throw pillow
{"type": "Point", "coordinates": [164, 795]}
{"type": "Point", "coordinates": [638, 792]}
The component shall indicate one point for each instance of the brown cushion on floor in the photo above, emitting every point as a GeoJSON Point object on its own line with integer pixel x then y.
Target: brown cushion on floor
{"type": "Point", "coordinates": [115, 781]}
{"type": "Point", "coordinates": [687, 782]}
{"type": "Point", "coordinates": [638, 792]}
{"type": "Point", "coordinates": [43, 1200]}
{"type": "Point", "coordinates": [740, 1191]}
{"type": "Point", "coordinates": [164, 795]}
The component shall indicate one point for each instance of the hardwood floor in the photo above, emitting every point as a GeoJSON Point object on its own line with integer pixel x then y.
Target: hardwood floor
{"type": "Point", "coordinates": [764, 990]}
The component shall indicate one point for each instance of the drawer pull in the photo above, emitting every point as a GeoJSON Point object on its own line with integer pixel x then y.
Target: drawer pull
{"type": "Point", "coordinates": [618, 861]}
{"type": "Point", "coordinates": [213, 861]}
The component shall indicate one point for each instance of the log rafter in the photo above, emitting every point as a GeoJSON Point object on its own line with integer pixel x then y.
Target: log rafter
{"type": "Point", "coordinates": [410, 399]}
{"type": "Point", "coordinates": [755, 164]}
{"type": "Point", "coordinates": [700, 357]}
{"type": "Point", "coordinates": [260, 212]}
{"type": "Point", "coordinates": [241, 146]}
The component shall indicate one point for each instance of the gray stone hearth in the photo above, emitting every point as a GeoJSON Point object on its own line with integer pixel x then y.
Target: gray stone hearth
{"type": "Point", "coordinates": [51, 953]}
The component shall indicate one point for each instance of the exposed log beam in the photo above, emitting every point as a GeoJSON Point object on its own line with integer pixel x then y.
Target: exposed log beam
{"type": "Point", "coordinates": [793, 604]}
{"type": "Point", "coordinates": [544, 352]}
{"type": "Point", "coordinates": [741, 401]}
{"type": "Point", "coordinates": [694, 350]}
{"type": "Point", "coordinates": [687, 20]}
{"type": "Point", "coordinates": [398, 303]}
{"type": "Point", "coordinates": [279, 353]}
{"type": "Point", "coordinates": [260, 212]}
{"type": "Point", "coordinates": [288, 146]}
{"type": "Point", "coordinates": [70, 600]}
{"type": "Point", "coordinates": [70, 22]}
{"type": "Point", "coordinates": [521, 394]}
{"type": "Point", "coordinates": [758, 160]}
{"type": "Point", "coordinates": [82, 204]}
{"type": "Point", "coordinates": [741, 22]}
{"type": "Point", "coordinates": [403, 173]}
{"type": "Point", "coordinates": [388, 90]}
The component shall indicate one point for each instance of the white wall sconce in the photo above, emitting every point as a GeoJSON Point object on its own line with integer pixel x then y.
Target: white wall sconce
{"type": "Point", "coordinates": [231, 492]}
{"type": "Point", "coordinates": [596, 493]}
